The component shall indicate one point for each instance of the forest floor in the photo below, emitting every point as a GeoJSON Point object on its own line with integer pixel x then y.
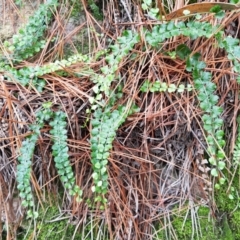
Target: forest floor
{"type": "Point", "coordinates": [161, 183]}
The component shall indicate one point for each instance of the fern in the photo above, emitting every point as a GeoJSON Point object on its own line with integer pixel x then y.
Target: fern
{"type": "Point", "coordinates": [60, 153]}
{"type": "Point", "coordinates": [193, 29]}
{"type": "Point", "coordinates": [29, 40]}
{"type": "Point", "coordinates": [31, 75]}
{"type": "Point", "coordinates": [202, 83]}
{"type": "Point", "coordinates": [231, 45]}
{"type": "Point", "coordinates": [158, 86]}
{"type": "Point", "coordinates": [106, 122]}
{"type": "Point", "coordinates": [124, 45]}
{"type": "Point", "coordinates": [24, 166]}
{"type": "Point", "coordinates": [212, 122]}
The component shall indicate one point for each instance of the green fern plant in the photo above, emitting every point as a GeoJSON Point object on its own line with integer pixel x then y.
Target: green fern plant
{"type": "Point", "coordinates": [231, 45]}
{"type": "Point", "coordinates": [60, 154]}
{"type": "Point", "coordinates": [105, 121]}
{"type": "Point", "coordinates": [212, 122]}
{"type": "Point", "coordinates": [158, 86]}
{"type": "Point", "coordinates": [59, 151]}
{"type": "Point", "coordinates": [121, 49]}
{"type": "Point", "coordinates": [153, 12]}
{"type": "Point", "coordinates": [29, 39]}
{"type": "Point", "coordinates": [105, 124]}
{"type": "Point", "coordinates": [202, 83]}
{"type": "Point", "coordinates": [193, 29]}
{"type": "Point", "coordinates": [24, 166]}
{"type": "Point", "coordinates": [31, 75]}
{"type": "Point", "coordinates": [26, 44]}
